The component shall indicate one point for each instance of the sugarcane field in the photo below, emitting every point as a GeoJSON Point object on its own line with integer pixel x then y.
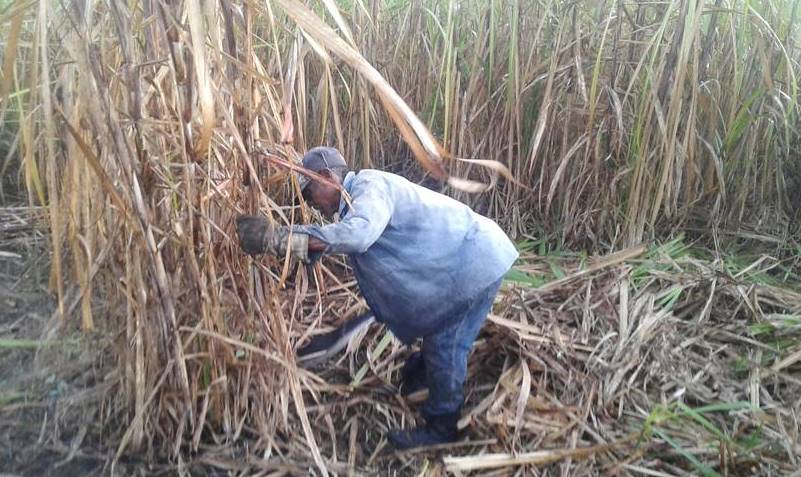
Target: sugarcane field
{"type": "Point", "coordinates": [400, 238]}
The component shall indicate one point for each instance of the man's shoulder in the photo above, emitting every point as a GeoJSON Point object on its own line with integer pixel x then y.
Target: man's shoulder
{"type": "Point", "coordinates": [379, 178]}
{"type": "Point", "coordinates": [367, 174]}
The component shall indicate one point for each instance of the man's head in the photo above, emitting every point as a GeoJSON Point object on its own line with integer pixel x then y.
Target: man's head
{"type": "Point", "coordinates": [327, 162]}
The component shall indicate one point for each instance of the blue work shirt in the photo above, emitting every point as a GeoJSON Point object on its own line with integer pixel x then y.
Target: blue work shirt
{"type": "Point", "coordinates": [420, 257]}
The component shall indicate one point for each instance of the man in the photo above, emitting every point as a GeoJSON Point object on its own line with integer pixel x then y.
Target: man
{"type": "Point", "coordinates": [427, 265]}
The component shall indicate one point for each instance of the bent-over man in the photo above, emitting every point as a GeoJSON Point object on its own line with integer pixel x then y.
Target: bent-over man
{"type": "Point", "coordinates": [427, 265]}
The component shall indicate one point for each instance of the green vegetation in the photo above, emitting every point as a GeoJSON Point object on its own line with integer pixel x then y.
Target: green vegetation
{"type": "Point", "coordinates": [711, 436]}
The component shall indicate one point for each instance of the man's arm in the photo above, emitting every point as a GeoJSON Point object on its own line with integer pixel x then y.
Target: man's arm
{"type": "Point", "coordinates": [365, 222]}
{"type": "Point", "coordinates": [316, 245]}
{"type": "Point", "coordinates": [359, 229]}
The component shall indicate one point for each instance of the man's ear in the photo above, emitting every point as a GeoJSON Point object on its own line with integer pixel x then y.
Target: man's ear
{"type": "Point", "coordinates": [330, 175]}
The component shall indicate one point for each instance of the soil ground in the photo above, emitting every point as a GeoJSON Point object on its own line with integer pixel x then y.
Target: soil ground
{"type": "Point", "coordinates": [42, 388]}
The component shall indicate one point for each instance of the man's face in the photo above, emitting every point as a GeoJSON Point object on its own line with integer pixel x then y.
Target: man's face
{"type": "Point", "coordinates": [323, 196]}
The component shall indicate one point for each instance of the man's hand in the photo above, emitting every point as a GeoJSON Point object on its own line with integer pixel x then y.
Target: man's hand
{"type": "Point", "coordinates": [257, 236]}
{"type": "Point", "coordinates": [297, 243]}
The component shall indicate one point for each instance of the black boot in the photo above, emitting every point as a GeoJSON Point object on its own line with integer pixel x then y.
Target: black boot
{"type": "Point", "coordinates": [413, 374]}
{"type": "Point", "coordinates": [438, 430]}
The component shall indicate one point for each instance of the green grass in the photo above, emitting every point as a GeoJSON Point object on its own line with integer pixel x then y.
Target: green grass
{"type": "Point", "coordinates": [659, 257]}
{"type": "Point", "coordinates": [547, 249]}
{"type": "Point", "coordinates": [18, 343]}
{"type": "Point", "coordinates": [699, 423]}
{"type": "Point", "coordinates": [9, 397]}
{"type": "Point", "coordinates": [522, 278]}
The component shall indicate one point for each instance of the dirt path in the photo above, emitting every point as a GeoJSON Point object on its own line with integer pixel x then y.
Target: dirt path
{"type": "Point", "coordinates": [39, 386]}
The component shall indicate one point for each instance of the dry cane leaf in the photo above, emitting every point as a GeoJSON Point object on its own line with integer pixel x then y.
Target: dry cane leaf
{"type": "Point", "coordinates": [206, 98]}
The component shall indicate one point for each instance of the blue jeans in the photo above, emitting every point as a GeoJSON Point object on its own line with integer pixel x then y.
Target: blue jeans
{"type": "Point", "coordinates": [445, 354]}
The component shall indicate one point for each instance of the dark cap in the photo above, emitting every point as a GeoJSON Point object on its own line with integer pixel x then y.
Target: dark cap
{"type": "Point", "coordinates": [318, 159]}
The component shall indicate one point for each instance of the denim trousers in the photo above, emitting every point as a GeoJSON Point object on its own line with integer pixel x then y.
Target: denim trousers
{"type": "Point", "coordinates": [445, 354]}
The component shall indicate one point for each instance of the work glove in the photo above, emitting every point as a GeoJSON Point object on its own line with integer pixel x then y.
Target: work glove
{"type": "Point", "coordinates": [297, 243]}
{"type": "Point", "coordinates": [257, 236]}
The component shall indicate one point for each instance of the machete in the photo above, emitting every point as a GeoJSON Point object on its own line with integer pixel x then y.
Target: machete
{"type": "Point", "coordinates": [323, 347]}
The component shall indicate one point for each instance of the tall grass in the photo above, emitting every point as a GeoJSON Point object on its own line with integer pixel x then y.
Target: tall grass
{"type": "Point", "coordinates": [146, 126]}
{"type": "Point", "coordinates": [626, 119]}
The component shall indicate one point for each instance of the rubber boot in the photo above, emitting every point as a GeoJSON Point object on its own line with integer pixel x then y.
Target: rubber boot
{"type": "Point", "coordinates": [437, 430]}
{"type": "Point", "coordinates": [413, 374]}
